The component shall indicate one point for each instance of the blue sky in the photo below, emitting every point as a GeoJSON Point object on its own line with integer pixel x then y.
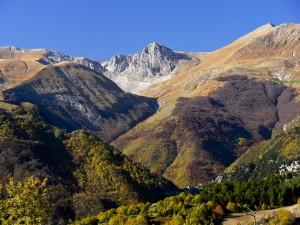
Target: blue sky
{"type": "Point", "coordinates": [101, 28]}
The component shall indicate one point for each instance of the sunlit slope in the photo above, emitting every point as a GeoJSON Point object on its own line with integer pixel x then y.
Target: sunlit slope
{"type": "Point", "coordinates": [258, 96]}
{"type": "Point", "coordinates": [17, 66]}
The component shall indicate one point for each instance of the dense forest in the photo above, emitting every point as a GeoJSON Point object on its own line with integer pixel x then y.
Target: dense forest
{"type": "Point", "coordinates": [210, 205]}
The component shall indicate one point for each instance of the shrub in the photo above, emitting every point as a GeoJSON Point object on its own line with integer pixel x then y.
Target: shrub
{"type": "Point", "coordinates": [231, 207]}
{"type": "Point", "coordinates": [133, 210]}
{"type": "Point", "coordinates": [285, 217]}
{"type": "Point", "coordinates": [87, 221]}
{"type": "Point", "coordinates": [117, 220]}
{"type": "Point", "coordinates": [218, 211]}
{"type": "Point", "coordinates": [122, 210]}
{"type": "Point", "coordinates": [138, 220]}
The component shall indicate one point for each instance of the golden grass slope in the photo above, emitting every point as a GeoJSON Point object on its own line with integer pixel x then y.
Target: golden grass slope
{"type": "Point", "coordinates": [18, 67]}
{"type": "Point", "coordinates": [269, 52]}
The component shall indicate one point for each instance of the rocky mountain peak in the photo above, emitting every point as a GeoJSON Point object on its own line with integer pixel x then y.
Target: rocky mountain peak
{"type": "Point", "coordinates": [136, 72]}
{"type": "Point", "coordinates": [156, 47]}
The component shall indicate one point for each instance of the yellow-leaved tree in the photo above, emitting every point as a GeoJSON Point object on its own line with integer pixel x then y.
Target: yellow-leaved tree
{"type": "Point", "coordinates": [25, 202]}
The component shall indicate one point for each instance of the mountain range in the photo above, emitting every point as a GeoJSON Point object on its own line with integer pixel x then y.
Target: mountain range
{"type": "Point", "coordinates": [170, 117]}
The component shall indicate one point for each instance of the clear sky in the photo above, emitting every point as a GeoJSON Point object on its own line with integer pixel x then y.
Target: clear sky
{"type": "Point", "coordinates": [101, 28]}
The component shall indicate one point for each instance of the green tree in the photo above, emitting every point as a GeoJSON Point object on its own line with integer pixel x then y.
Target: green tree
{"type": "Point", "coordinates": [283, 217]}
{"type": "Point", "coordinates": [138, 220]}
{"type": "Point", "coordinates": [175, 220]}
{"type": "Point", "coordinates": [25, 202]}
{"type": "Point", "coordinates": [117, 220]}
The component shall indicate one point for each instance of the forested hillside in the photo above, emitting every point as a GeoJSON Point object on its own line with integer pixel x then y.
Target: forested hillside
{"type": "Point", "coordinates": [84, 175]}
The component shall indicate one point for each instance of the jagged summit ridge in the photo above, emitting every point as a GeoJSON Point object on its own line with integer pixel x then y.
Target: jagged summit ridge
{"type": "Point", "coordinates": [52, 57]}
{"type": "Point", "coordinates": [46, 56]}
{"type": "Point", "coordinates": [136, 72]}
{"type": "Point", "coordinates": [132, 73]}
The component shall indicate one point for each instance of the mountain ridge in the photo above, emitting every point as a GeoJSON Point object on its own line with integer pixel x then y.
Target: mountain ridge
{"type": "Point", "coordinates": [71, 102]}
{"type": "Point", "coordinates": [133, 73]}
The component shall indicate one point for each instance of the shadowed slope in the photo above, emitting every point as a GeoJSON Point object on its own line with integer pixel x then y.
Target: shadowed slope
{"type": "Point", "coordinates": [72, 96]}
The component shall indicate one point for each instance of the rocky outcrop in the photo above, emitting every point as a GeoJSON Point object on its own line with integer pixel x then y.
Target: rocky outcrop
{"type": "Point", "coordinates": [136, 72]}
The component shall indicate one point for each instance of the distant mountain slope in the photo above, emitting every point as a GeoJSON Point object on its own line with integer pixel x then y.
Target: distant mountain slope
{"type": "Point", "coordinates": [87, 175]}
{"type": "Point", "coordinates": [153, 64]}
{"type": "Point", "coordinates": [72, 96]}
{"type": "Point", "coordinates": [279, 155]}
{"type": "Point", "coordinates": [212, 111]}
{"type": "Point", "coordinates": [17, 66]}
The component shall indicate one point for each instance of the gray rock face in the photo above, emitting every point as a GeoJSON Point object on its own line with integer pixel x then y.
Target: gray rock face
{"type": "Point", "coordinates": [52, 57]}
{"type": "Point", "coordinates": [136, 72]}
